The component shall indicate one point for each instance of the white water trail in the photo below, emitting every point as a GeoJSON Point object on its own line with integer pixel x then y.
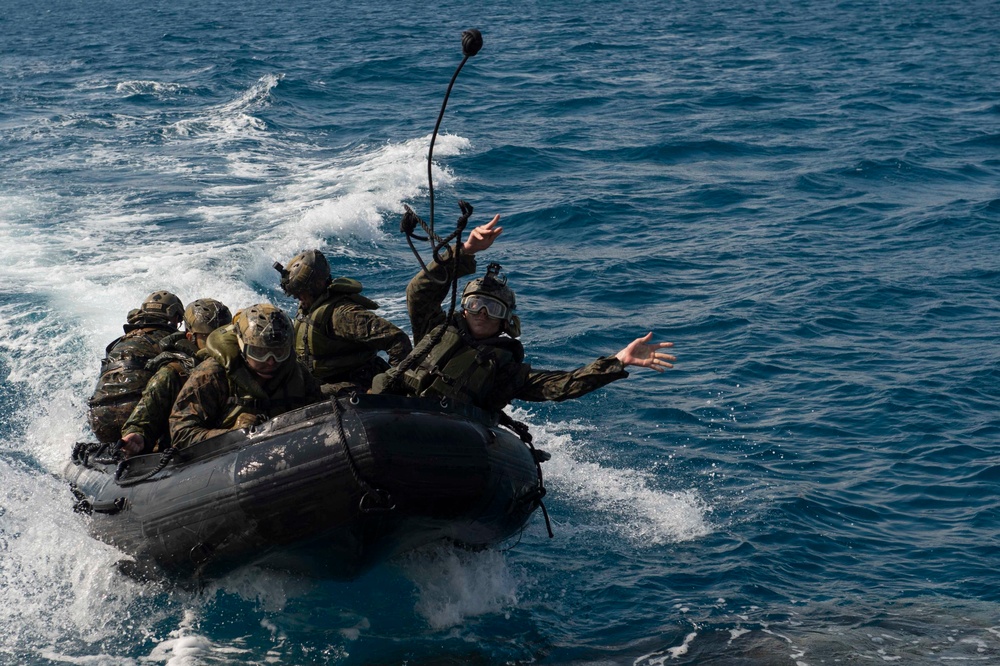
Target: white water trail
{"type": "Point", "coordinates": [72, 268]}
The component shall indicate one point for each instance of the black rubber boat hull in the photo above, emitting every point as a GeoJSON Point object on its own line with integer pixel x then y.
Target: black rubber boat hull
{"type": "Point", "coordinates": [330, 490]}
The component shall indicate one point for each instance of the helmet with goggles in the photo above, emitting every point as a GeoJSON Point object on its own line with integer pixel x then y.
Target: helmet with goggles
{"type": "Point", "coordinates": [205, 315]}
{"type": "Point", "coordinates": [307, 273]}
{"type": "Point", "coordinates": [491, 293]}
{"type": "Point", "coordinates": [264, 333]}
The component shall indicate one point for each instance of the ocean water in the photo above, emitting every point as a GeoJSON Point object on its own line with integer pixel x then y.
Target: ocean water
{"type": "Point", "coordinates": [803, 196]}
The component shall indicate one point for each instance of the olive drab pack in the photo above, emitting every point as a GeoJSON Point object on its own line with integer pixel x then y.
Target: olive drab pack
{"type": "Point", "coordinates": [465, 371]}
{"type": "Point", "coordinates": [178, 351]}
{"type": "Point", "coordinates": [124, 375]}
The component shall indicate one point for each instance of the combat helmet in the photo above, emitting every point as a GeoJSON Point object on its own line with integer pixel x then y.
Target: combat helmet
{"type": "Point", "coordinates": [264, 332]}
{"type": "Point", "coordinates": [499, 299]}
{"type": "Point", "coordinates": [161, 305]}
{"type": "Point", "coordinates": [307, 273]}
{"type": "Point", "coordinates": [205, 315]}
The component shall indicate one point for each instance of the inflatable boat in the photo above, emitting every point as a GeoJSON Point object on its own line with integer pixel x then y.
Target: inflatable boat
{"type": "Point", "coordinates": [329, 490]}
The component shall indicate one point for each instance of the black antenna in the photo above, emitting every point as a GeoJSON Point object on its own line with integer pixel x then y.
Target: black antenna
{"type": "Point", "coordinates": [472, 42]}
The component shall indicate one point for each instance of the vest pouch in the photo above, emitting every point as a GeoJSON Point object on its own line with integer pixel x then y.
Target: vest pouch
{"type": "Point", "coordinates": [468, 377]}
{"type": "Point", "coordinates": [417, 380]}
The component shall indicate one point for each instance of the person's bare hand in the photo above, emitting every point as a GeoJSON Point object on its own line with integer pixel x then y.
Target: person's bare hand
{"type": "Point", "coordinates": [482, 236]}
{"type": "Point", "coordinates": [641, 352]}
{"type": "Point", "coordinates": [133, 444]}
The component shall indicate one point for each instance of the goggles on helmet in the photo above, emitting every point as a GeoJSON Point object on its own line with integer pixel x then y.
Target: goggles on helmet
{"type": "Point", "coordinates": [265, 354]}
{"type": "Point", "coordinates": [495, 308]}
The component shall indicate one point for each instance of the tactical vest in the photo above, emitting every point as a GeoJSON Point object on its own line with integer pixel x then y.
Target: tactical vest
{"type": "Point", "coordinates": [124, 374]}
{"type": "Point", "coordinates": [331, 358]}
{"type": "Point", "coordinates": [246, 395]}
{"type": "Point", "coordinates": [467, 370]}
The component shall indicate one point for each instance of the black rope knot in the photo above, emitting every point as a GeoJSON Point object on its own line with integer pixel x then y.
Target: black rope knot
{"type": "Point", "coordinates": [463, 220]}
{"type": "Point", "coordinates": [472, 41]}
{"type": "Point", "coordinates": [85, 453]}
{"type": "Point", "coordinates": [409, 224]}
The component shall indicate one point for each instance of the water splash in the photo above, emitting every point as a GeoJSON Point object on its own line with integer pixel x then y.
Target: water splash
{"type": "Point", "coordinates": [455, 585]}
{"type": "Point", "coordinates": [627, 501]}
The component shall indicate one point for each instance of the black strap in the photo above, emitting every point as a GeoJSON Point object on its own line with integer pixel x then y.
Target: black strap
{"type": "Point", "coordinates": [374, 500]}
{"type": "Point", "coordinates": [539, 456]}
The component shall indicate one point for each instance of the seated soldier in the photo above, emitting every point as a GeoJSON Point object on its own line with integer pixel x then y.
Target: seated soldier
{"type": "Point", "coordinates": [147, 428]}
{"type": "Point", "coordinates": [123, 371]}
{"type": "Point", "coordinates": [337, 334]}
{"type": "Point", "coordinates": [475, 357]}
{"type": "Point", "coordinates": [250, 375]}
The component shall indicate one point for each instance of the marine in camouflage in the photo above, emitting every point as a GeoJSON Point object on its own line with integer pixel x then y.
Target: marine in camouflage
{"type": "Point", "coordinates": [151, 415]}
{"type": "Point", "coordinates": [124, 371]}
{"type": "Point", "coordinates": [339, 338]}
{"type": "Point", "coordinates": [489, 373]}
{"type": "Point", "coordinates": [222, 393]}
{"type": "Point", "coordinates": [337, 333]}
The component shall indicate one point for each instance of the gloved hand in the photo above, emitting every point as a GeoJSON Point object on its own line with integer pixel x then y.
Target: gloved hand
{"type": "Point", "coordinates": [246, 420]}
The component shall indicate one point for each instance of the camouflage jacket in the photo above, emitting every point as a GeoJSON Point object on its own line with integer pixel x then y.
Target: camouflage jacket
{"type": "Point", "coordinates": [513, 378]}
{"type": "Point", "coordinates": [151, 415]}
{"type": "Point", "coordinates": [222, 394]}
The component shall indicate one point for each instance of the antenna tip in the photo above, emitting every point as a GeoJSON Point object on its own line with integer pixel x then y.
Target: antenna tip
{"type": "Point", "coordinates": [472, 41]}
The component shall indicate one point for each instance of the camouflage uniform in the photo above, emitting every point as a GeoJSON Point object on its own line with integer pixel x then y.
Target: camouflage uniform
{"type": "Point", "coordinates": [490, 373]}
{"type": "Point", "coordinates": [150, 418]}
{"type": "Point", "coordinates": [339, 336]}
{"type": "Point", "coordinates": [124, 374]}
{"type": "Point", "coordinates": [222, 393]}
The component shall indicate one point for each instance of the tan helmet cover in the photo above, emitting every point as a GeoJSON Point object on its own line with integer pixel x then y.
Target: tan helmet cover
{"type": "Point", "coordinates": [205, 315]}
{"type": "Point", "coordinates": [263, 325]}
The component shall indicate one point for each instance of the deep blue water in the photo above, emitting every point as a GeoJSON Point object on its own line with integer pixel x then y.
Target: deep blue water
{"type": "Point", "coordinates": [803, 196]}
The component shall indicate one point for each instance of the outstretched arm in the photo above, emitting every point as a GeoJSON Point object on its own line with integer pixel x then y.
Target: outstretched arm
{"type": "Point", "coordinates": [641, 352]}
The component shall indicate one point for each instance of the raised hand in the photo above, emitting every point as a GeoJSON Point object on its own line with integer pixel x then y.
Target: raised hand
{"type": "Point", "coordinates": [482, 236]}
